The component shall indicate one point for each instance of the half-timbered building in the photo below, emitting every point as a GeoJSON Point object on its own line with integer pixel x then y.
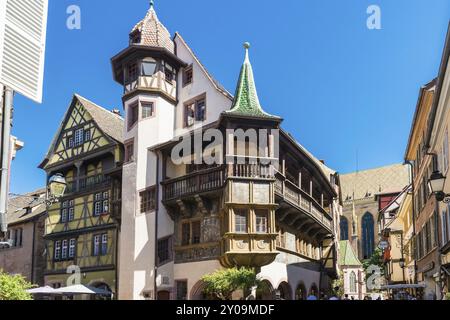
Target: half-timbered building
{"type": "Point", "coordinates": [81, 230]}
{"type": "Point", "coordinates": [268, 204]}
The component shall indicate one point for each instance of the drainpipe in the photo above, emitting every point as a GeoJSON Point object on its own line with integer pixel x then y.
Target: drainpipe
{"type": "Point", "coordinates": [5, 157]}
{"type": "Point", "coordinates": [155, 273]}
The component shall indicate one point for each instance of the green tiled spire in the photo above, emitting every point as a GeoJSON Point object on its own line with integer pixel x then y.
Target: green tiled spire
{"type": "Point", "coordinates": [246, 101]}
{"type": "Point", "coordinates": [347, 255]}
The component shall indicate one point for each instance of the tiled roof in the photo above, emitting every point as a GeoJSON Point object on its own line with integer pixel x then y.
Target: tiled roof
{"type": "Point", "coordinates": [110, 123]}
{"type": "Point", "coordinates": [246, 101]}
{"type": "Point", "coordinates": [347, 256]}
{"type": "Point", "coordinates": [153, 32]}
{"type": "Point", "coordinates": [18, 206]}
{"type": "Point", "coordinates": [368, 183]}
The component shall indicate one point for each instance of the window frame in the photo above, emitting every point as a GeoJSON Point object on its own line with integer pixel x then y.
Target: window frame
{"type": "Point", "coordinates": [57, 250]}
{"type": "Point", "coordinates": [129, 156]}
{"type": "Point", "coordinates": [104, 244]}
{"type": "Point", "coordinates": [185, 284]}
{"type": "Point", "coordinates": [132, 115]}
{"type": "Point", "coordinates": [240, 213]}
{"type": "Point", "coordinates": [67, 211]}
{"type": "Point", "coordinates": [146, 197]}
{"type": "Point", "coordinates": [185, 236]}
{"type": "Point", "coordinates": [191, 111]}
{"type": "Point", "coordinates": [129, 75]}
{"type": "Point", "coordinates": [78, 137]}
{"type": "Point", "coordinates": [103, 197]}
{"type": "Point", "coordinates": [97, 246]}
{"type": "Point", "coordinates": [72, 248]}
{"type": "Point", "coordinates": [64, 249]}
{"type": "Point", "coordinates": [153, 109]}
{"type": "Point", "coordinates": [196, 238]}
{"type": "Point", "coordinates": [167, 250]}
{"type": "Point", "coordinates": [188, 69]}
{"type": "Point", "coordinates": [261, 213]}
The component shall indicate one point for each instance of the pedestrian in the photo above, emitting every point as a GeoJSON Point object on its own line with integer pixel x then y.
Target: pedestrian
{"type": "Point", "coordinates": [311, 297]}
{"type": "Point", "coordinates": [346, 297]}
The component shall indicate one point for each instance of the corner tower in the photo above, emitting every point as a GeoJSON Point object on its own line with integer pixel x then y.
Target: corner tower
{"type": "Point", "coordinates": [148, 71]}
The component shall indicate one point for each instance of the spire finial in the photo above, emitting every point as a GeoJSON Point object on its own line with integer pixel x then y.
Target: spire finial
{"type": "Point", "coordinates": [247, 47]}
{"type": "Point", "coordinates": [152, 4]}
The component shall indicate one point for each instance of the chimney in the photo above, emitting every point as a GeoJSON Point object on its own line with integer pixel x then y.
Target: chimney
{"type": "Point", "coordinates": [116, 111]}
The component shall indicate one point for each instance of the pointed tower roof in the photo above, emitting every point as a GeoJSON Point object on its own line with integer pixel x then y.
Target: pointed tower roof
{"type": "Point", "coordinates": [246, 101]}
{"type": "Point", "coordinates": [152, 32]}
{"type": "Point", "coordinates": [347, 255]}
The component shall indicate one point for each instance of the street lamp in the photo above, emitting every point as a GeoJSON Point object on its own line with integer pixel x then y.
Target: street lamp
{"type": "Point", "coordinates": [436, 185]}
{"type": "Point", "coordinates": [56, 187]}
{"type": "Point", "coordinates": [402, 263]}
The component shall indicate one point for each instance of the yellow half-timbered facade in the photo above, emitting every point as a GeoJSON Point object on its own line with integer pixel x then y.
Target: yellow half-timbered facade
{"type": "Point", "coordinates": [81, 230]}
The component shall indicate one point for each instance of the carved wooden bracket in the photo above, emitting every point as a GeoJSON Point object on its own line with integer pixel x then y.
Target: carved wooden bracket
{"type": "Point", "coordinates": [201, 205]}
{"type": "Point", "coordinates": [185, 209]}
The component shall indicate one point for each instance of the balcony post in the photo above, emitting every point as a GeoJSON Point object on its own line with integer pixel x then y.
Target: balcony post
{"type": "Point", "coordinates": [300, 179]}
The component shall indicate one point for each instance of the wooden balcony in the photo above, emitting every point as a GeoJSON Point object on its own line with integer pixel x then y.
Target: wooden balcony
{"type": "Point", "coordinates": [298, 202]}
{"type": "Point", "coordinates": [196, 183]}
{"type": "Point", "coordinates": [86, 184]}
{"type": "Point", "coordinates": [213, 179]}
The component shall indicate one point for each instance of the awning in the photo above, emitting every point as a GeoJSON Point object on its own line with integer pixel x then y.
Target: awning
{"type": "Point", "coordinates": [82, 289]}
{"type": "Point", "coordinates": [403, 286]}
{"type": "Point", "coordinates": [42, 290]}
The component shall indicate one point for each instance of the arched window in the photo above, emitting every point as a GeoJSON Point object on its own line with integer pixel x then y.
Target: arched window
{"type": "Point", "coordinates": [353, 282]}
{"type": "Point", "coordinates": [344, 228]}
{"type": "Point", "coordinates": [367, 235]}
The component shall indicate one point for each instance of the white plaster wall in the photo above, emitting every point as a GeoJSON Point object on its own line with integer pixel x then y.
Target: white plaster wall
{"type": "Point", "coordinates": [137, 243]}
{"type": "Point", "coordinates": [194, 271]}
{"type": "Point", "coordinates": [127, 238]}
{"type": "Point", "coordinates": [216, 102]}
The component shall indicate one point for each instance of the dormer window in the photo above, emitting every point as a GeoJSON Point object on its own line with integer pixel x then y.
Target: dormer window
{"type": "Point", "coordinates": [135, 38]}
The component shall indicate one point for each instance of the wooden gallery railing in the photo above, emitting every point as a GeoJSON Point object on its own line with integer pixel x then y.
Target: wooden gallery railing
{"type": "Point", "coordinates": [215, 178]}
{"type": "Point", "coordinates": [212, 179]}
{"type": "Point", "coordinates": [299, 198]}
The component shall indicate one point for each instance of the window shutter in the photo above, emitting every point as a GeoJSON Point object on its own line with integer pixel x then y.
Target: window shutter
{"type": "Point", "coordinates": [23, 25]}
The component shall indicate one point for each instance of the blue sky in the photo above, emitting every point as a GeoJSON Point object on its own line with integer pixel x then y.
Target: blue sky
{"type": "Point", "coordinates": [342, 89]}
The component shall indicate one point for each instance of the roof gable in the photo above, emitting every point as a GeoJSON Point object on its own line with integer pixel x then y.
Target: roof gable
{"type": "Point", "coordinates": [104, 128]}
